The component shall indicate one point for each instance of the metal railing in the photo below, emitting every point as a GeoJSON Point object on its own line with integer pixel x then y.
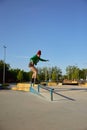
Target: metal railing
{"type": "Point", "coordinates": [51, 90]}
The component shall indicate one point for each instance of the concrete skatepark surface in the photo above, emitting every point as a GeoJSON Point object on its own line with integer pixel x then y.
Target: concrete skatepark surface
{"type": "Point", "coordinates": [27, 111]}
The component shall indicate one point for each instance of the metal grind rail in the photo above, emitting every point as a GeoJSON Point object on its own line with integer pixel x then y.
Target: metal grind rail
{"type": "Point", "coordinates": [53, 91]}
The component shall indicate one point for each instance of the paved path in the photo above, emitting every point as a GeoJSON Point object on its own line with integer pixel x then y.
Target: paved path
{"type": "Point", "coordinates": [26, 111]}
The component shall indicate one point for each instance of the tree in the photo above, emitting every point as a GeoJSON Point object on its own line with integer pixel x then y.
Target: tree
{"type": "Point", "coordinates": [12, 75]}
{"type": "Point", "coordinates": [75, 73]}
{"type": "Point", "coordinates": [83, 74]}
{"type": "Point", "coordinates": [54, 76]}
{"type": "Point", "coordinates": [72, 72]}
{"type": "Point", "coordinates": [56, 73]}
{"type": "Point", "coordinates": [7, 66]}
{"type": "Point", "coordinates": [50, 73]}
{"type": "Point", "coordinates": [20, 76]}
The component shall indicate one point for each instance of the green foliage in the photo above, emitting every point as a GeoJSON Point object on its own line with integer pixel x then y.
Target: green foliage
{"type": "Point", "coordinates": [54, 76]}
{"type": "Point", "coordinates": [56, 73]}
{"type": "Point", "coordinates": [83, 74]}
{"type": "Point", "coordinates": [7, 66]}
{"type": "Point", "coordinates": [53, 73]}
{"type": "Point", "coordinates": [44, 74]}
{"type": "Point", "coordinates": [20, 76]}
{"type": "Point", "coordinates": [72, 72]}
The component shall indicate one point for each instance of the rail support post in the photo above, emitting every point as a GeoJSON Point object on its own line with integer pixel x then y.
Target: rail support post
{"type": "Point", "coordinates": [51, 93]}
{"type": "Point", "coordinates": [38, 88]}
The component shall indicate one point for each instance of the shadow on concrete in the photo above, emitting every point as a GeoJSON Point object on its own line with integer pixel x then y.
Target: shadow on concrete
{"type": "Point", "coordinates": [70, 89]}
{"type": "Point", "coordinates": [69, 98]}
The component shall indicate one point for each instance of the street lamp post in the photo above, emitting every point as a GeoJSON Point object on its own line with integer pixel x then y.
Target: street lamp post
{"type": "Point", "coordinates": [4, 64]}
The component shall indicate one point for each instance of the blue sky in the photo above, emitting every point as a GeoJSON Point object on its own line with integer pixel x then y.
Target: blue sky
{"type": "Point", "coordinates": [57, 27]}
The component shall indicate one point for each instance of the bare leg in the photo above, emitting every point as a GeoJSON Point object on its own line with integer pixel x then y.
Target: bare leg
{"type": "Point", "coordinates": [34, 75]}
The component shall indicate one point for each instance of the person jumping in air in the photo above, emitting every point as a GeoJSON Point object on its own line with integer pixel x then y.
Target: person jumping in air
{"type": "Point", "coordinates": [33, 61]}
